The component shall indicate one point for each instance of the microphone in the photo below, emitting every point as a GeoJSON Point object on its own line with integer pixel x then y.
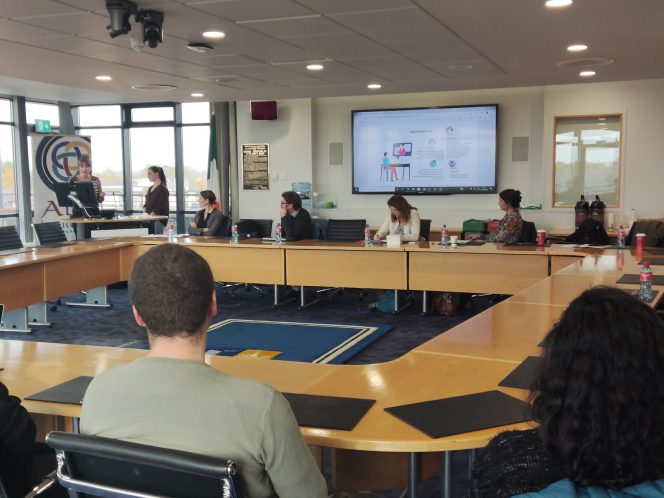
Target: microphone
{"type": "Point", "coordinates": [73, 196]}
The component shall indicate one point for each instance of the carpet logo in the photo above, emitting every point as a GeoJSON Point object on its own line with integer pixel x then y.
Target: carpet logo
{"type": "Point", "coordinates": [57, 156]}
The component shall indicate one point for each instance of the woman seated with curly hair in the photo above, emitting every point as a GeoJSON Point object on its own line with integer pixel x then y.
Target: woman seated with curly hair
{"type": "Point", "coordinates": [598, 397]}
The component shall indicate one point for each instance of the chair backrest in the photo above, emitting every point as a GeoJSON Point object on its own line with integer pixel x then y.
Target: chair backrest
{"type": "Point", "coordinates": [528, 232]}
{"type": "Point", "coordinates": [264, 227]}
{"type": "Point", "coordinates": [254, 228]}
{"type": "Point", "coordinates": [9, 238]}
{"type": "Point", "coordinates": [100, 466]}
{"type": "Point", "coordinates": [425, 229]}
{"type": "Point", "coordinates": [49, 233]}
{"type": "Point", "coordinates": [224, 229]}
{"type": "Point", "coordinates": [345, 230]}
{"type": "Point", "coordinates": [654, 230]}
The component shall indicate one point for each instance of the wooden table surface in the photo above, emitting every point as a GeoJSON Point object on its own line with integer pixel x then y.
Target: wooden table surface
{"type": "Point", "coordinates": [472, 357]}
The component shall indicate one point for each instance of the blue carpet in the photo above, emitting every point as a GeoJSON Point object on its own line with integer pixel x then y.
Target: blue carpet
{"type": "Point", "coordinates": [292, 341]}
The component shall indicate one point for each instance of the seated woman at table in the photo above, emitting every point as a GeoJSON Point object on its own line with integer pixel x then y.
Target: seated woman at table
{"type": "Point", "coordinates": [510, 227]}
{"type": "Point", "coordinates": [208, 219]}
{"type": "Point", "coordinates": [403, 220]}
{"type": "Point", "coordinates": [598, 398]}
{"type": "Point", "coordinates": [156, 198]}
{"type": "Point", "coordinates": [84, 174]}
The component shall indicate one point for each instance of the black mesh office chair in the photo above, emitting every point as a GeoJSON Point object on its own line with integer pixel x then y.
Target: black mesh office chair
{"type": "Point", "coordinates": [528, 233]}
{"type": "Point", "coordinates": [111, 468]}
{"type": "Point", "coordinates": [654, 230]}
{"type": "Point", "coordinates": [425, 229]}
{"type": "Point", "coordinates": [49, 233]}
{"type": "Point", "coordinates": [9, 239]}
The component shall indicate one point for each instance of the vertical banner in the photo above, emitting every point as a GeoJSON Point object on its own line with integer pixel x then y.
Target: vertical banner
{"type": "Point", "coordinates": [255, 167]}
{"type": "Point", "coordinates": [55, 160]}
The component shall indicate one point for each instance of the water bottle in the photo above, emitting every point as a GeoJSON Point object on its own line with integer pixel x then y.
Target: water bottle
{"type": "Point", "coordinates": [444, 236]}
{"type": "Point", "coordinates": [234, 235]}
{"type": "Point", "coordinates": [645, 278]}
{"type": "Point", "coordinates": [367, 235]}
{"type": "Point", "coordinates": [170, 230]}
{"type": "Point", "coordinates": [278, 238]}
{"type": "Point", "coordinates": [621, 237]}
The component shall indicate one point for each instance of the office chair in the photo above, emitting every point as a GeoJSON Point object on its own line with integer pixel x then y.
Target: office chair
{"type": "Point", "coordinates": [339, 231]}
{"type": "Point", "coordinates": [49, 233]}
{"type": "Point", "coordinates": [9, 239]}
{"type": "Point", "coordinates": [528, 233]}
{"type": "Point", "coordinates": [425, 230]}
{"type": "Point", "coordinates": [654, 230]}
{"type": "Point", "coordinates": [111, 468]}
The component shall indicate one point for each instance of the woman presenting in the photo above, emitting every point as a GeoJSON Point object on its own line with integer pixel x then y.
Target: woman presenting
{"type": "Point", "coordinates": [209, 218]}
{"type": "Point", "coordinates": [403, 220]}
{"type": "Point", "coordinates": [84, 174]}
{"type": "Point", "coordinates": [156, 199]}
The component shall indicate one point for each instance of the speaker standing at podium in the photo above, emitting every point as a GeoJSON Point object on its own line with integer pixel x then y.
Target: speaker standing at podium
{"type": "Point", "coordinates": [156, 199]}
{"type": "Point", "coordinates": [84, 174]}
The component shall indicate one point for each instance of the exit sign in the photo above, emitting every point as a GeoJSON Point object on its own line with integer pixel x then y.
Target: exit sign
{"type": "Point", "coordinates": [43, 125]}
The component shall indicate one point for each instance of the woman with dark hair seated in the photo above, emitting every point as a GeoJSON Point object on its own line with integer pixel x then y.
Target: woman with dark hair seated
{"type": "Point", "coordinates": [403, 220]}
{"type": "Point", "coordinates": [209, 219]}
{"type": "Point", "coordinates": [510, 227]}
{"type": "Point", "coordinates": [598, 397]}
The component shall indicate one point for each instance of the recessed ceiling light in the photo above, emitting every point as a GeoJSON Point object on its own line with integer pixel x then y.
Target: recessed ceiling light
{"type": "Point", "coordinates": [315, 67]}
{"type": "Point", "coordinates": [103, 77]}
{"type": "Point", "coordinates": [587, 74]}
{"type": "Point", "coordinates": [214, 35]}
{"type": "Point", "coordinates": [374, 86]}
{"type": "Point", "coordinates": [200, 48]}
{"type": "Point", "coordinates": [577, 47]}
{"type": "Point", "coordinates": [557, 3]}
{"type": "Point", "coordinates": [153, 87]}
{"type": "Point", "coordinates": [460, 67]}
{"type": "Point", "coordinates": [197, 95]}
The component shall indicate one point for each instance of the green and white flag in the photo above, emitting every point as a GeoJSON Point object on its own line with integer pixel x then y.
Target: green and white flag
{"type": "Point", "coordinates": [213, 169]}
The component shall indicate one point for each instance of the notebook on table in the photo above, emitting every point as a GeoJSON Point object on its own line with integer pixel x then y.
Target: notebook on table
{"type": "Point", "coordinates": [328, 412]}
{"type": "Point", "coordinates": [522, 376]}
{"type": "Point", "coordinates": [71, 392]}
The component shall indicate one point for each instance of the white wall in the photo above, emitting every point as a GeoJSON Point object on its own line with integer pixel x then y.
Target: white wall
{"type": "Point", "coordinates": [529, 112]}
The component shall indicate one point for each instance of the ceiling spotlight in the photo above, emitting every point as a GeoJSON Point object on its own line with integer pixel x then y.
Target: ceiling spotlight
{"type": "Point", "coordinates": [557, 3]}
{"type": "Point", "coordinates": [460, 67]}
{"type": "Point", "coordinates": [152, 22]}
{"type": "Point", "coordinates": [577, 47]}
{"type": "Point", "coordinates": [200, 48]}
{"type": "Point", "coordinates": [119, 12]}
{"type": "Point", "coordinates": [587, 74]}
{"type": "Point", "coordinates": [198, 95]}
{"type": "Point", "coordinates": [374, 86]}
{"type": "Point", "coordinates": [315, 67]}
{"type": "Point", "coordinates": [103, 77]}
{"type": "Point", "coordinates": [214, 35]}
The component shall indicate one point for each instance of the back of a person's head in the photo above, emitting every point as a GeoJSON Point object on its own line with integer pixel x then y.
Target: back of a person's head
{"type": "Point", "coordinates": [171, 287]}
{"type": "Point", "coordinates": [599, 392]}
{"type": "Point", "coordinates": [511, 197]}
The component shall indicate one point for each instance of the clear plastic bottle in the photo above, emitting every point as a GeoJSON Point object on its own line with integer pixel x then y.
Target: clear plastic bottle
{"type": "Point", "coordinates": [278, 238]}
{"type": "Point", "coordinates": [235, 237]}
{"type": "Point", "coordinates": [621, 237]}
{"type": "Point", "coordinates": [645, 278]}
{"type": "Point", "coordinates": [444, 236]}
{"type": "Point", "coordinates": [170, 230]}
{"type": "Point", "coordinates": [367, 235]}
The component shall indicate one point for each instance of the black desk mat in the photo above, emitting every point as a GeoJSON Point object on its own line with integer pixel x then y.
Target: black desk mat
{"type": "Point", "coordinates": [631, 278]}
{"type": "Point", "coordinates": [523, 374]}
{"type": "Point", "coordinates": [653, 261]}
{"type": "Point", "coordinates": [635, 293]}
{"type": "Point", "coordinates": [71, 392]}
{"type": "Point", "coordinates": [658, 252]}
{"type": "Point", "coordinates": [328, 412]}
{"type": "Point", "coordinates": [461, 414]}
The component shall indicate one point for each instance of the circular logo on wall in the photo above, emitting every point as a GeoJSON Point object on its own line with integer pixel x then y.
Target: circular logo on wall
{"type": "Point", "coordinates": [452, 163]}
{"type": "Point", "coordinates": [56, 158]}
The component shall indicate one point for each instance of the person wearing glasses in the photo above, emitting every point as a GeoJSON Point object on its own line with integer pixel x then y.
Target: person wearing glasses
{"type": "Point", "coordinates": [295, 220]}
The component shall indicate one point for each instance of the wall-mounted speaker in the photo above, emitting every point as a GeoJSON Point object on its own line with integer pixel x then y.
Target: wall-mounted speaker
{"type": "Point", "coordinates": [264, 110]}
{"type": "Point", "coordinates": [520, 146]}
{"type": "Point", "coordinates": [336, 154]}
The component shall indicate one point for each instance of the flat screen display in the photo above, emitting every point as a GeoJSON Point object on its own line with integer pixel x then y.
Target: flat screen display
{"type": "Point", "coordinates": [433, 150]}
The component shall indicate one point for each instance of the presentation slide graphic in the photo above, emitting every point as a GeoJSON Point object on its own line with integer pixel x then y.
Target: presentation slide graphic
{"type": "Point", "coordinates": [431, 149]}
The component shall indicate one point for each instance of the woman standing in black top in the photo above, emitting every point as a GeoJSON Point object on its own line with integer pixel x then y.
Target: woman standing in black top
{"type": "Point", "coordinates": [156, 199]}
{"type": "Point", "coordinates": [598, 397]}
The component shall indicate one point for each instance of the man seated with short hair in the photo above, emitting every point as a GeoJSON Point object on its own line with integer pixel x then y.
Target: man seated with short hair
{"type": "Point", "coordinates": [171, 398]}
{"type": "Point", "coordinates": [295, 220]}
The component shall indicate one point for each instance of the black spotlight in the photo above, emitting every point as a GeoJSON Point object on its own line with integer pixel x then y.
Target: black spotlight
{"type": "Point", "coordinates": [152, 22]}
{"type": "Point", "coordinates": [119, 12]}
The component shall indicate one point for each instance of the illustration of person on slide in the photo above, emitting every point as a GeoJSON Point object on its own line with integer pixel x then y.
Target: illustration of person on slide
{"type": "Point", "coordinates": [391, 169]}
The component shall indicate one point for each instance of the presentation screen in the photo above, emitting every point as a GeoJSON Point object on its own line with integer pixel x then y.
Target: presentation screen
{"type": "Point", "coordinates": [433, 150]}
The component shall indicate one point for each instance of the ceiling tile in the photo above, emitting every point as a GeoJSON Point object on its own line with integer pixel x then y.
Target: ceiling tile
{"type": "Point", "coordinates": [291, 28]}
{"type": "Point", "coordinates": [33, 8]}
{"type": "Point", "coordinates": [244, 10]}
{"type": "Point", "coordinates": [342, 45]}
{"type": "Point", "coordinates": [341, 6]}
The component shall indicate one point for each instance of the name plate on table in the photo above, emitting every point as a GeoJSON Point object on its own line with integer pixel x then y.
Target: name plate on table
{"type": "Point", "coordinates": [71, 392]}
{"type": "Point", "coordinates": [522, 376]}
{"type": "Point", "coordinates": [393, 240]}
{"type": "Point", "coordinates": [461, 414]}
{"type": "Point", "coordinates": [328, 412]}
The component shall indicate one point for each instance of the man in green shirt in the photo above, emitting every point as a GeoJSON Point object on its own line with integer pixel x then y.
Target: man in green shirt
{"type": "Point", "coordinates": [171, 398]}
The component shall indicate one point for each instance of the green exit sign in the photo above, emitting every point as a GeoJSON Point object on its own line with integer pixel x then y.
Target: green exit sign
{"type": "Point", "coordinates": [43, 125]}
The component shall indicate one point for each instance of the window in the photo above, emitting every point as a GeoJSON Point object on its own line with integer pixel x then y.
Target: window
{"type": "Point", "coordinates": [7, 168]}
{"type": "Point", "coordinates": [99, 115]}
{"type": "Point", "coordinates": [587, 159]}
{"type": "Point", "coordinates": [154, 146]}
{"type": "Point", "coordinates": [147, 114]}
{"type": "Point", "coordinates": [38, 110]}
{"type": "Point", "coordinates": [195, 148]}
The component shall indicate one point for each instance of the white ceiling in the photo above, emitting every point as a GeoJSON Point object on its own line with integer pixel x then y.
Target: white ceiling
{"type": "Point", "coordinates": [53, 49]}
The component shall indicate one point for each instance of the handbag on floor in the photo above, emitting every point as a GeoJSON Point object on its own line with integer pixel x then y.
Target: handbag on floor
{"type": "Point", "coordinates": [445, 303]}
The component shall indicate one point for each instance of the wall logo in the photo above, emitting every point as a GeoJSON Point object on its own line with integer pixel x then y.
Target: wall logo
{"type": "Point", "coordinates": [452, 163]}
{"type": "Point", "coordinates": [56, 158]}
{"type": "Point", "coordinates": [433, 163]}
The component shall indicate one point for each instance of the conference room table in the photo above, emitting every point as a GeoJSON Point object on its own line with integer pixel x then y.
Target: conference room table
{"type": "Point", "coordinates": [469, 358]}
{"type": "Point", "coordinates": [83, 227]}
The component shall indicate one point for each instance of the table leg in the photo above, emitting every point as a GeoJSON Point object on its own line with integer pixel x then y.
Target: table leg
{"type": "Point", "coordinates": [471, 461]}
{"type": "Point", "coordinates": [76, 425]}
{"type": "Point", "coordinates": [413, 473]}
{"type": "Point", "coordinates": [424, 302]}
{"type": "Point", "coordinates": [94, 298]}
{"type": "Point", "coordinates": [15, 321]}
{"type": "Point", "coordinates": [446, 475]}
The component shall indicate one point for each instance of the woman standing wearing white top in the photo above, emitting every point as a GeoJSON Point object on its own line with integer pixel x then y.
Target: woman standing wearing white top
{"type": "Point", "coordinates": [403, 220]}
